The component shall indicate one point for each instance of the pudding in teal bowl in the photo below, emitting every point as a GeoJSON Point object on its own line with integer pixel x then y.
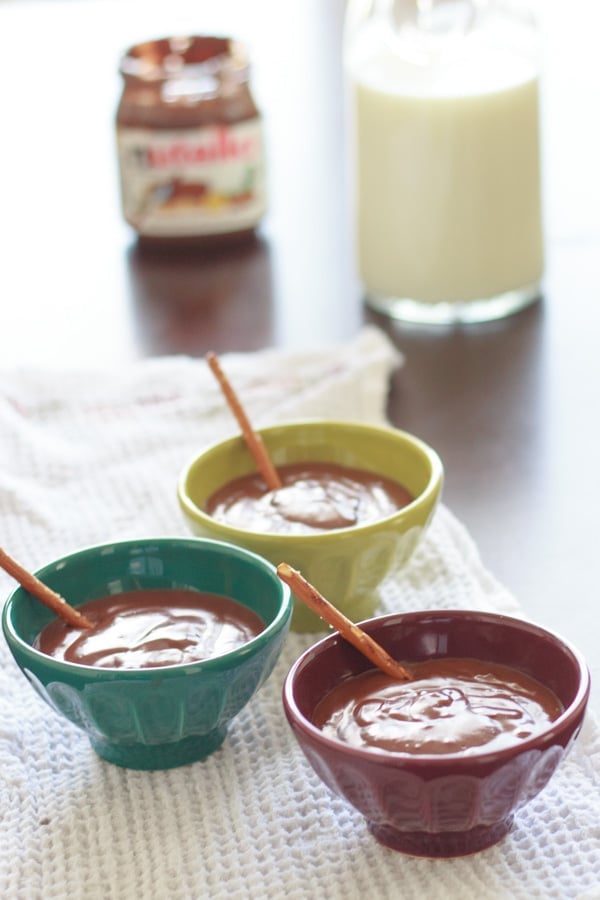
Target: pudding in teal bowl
{"type": "Point", "coordinates": [149, 714]}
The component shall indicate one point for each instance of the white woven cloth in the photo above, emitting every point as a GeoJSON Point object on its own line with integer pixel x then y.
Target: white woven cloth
{"type": "Point", "coordinates": [93, 456]}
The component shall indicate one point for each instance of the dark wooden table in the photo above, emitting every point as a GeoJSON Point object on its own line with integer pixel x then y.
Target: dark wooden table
{"type": "Point", "coordinates": [512, 407]}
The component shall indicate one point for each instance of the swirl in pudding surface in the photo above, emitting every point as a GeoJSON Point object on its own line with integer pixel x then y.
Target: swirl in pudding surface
{"type": "Point", "coordinates": [143, 629]}
{"type": "Point", "coordinates": [314, 497]}
{"type": "Point", "coordinates": [450, 706]}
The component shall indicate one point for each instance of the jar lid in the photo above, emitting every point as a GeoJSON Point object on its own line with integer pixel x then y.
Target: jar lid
{"type": "Point", "coordinates": [195, 55]}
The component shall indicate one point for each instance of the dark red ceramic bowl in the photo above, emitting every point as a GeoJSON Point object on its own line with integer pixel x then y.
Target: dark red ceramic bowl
{"type": "Point", "coordinates": [451, 804]}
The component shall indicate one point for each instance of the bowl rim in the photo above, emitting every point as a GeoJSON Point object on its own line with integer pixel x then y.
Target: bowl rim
{"type": "Point", "coordinates": [457, 759]}
{"type": "Point", "coordinates": [432, 488]}
{"type": "Point", "coordinates": [279, 621]}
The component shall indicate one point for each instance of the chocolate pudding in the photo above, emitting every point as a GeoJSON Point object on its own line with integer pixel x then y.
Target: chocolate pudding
{"type": "Point", "coordinates": [450, 706]}
{"type": "Point", "coordinates": [144, 629]}
{"type": "Point", "coordinates": [314, 497]}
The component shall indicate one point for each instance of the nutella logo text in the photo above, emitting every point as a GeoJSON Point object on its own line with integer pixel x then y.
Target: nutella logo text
{"type": "Point", "coordinates": [223, 145]}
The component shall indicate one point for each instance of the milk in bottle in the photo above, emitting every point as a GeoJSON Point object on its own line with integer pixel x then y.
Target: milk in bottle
{"type": "Point", "coordinates": [447, 158]}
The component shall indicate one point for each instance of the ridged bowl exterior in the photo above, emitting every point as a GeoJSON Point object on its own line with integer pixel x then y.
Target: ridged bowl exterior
{"type": "Point", "coordinates": [440, 805]}
{"type": "Point", "coordinates": [346, 565]}
{"type": "Point", "coordinates": [166, 716]}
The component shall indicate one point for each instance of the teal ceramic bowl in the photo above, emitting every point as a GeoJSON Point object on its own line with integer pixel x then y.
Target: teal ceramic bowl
{"type": "Point", "coordinates": [346, 565]}
{"type": "Point", "coordinates": [163, 717]}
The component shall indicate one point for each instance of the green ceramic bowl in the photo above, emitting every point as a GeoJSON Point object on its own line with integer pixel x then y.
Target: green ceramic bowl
{"type": "Point", "coordinates": [348, 564]}
{"type": "Point", "coordinates": [163, 717]}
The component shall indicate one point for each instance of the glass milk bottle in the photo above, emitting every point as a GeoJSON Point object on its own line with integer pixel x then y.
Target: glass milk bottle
{"type": "Point", "coordinates": [445, 114]}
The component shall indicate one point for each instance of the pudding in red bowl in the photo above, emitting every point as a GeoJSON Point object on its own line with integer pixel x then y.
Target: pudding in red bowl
{"type": "Point", "coordinates": [440, 765]}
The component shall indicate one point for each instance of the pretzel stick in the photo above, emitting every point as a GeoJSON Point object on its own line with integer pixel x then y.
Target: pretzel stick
{"type": "Point", "coordinates": [351, 632]}
{"type": "Point", "coordinates": [253, 440]}
{"type": "Point", "coordinates": [40, 590]}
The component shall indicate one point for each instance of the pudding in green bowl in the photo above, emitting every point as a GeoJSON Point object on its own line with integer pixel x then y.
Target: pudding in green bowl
{"type": "Point", "coordinates": [346, 560]}
{"type": "Point", "coordinates": [154, 713]}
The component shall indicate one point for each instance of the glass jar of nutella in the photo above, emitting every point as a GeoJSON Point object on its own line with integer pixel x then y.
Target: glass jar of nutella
{"type": "Point", "coordinates": [189, 139]}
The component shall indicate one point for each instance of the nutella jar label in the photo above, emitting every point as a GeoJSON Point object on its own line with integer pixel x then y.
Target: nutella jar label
{"type": "Point", "coordinates": [187, 182]}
